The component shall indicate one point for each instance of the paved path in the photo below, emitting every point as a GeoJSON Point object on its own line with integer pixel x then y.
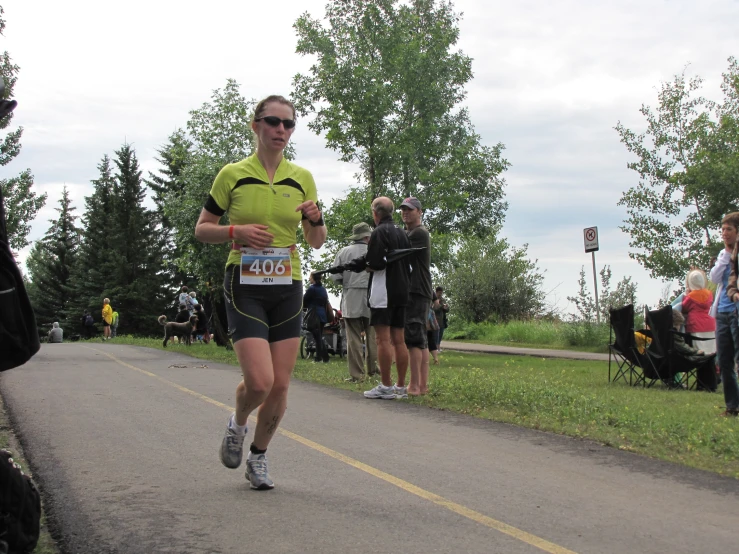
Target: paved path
{"type": "Point", "coordinates": [538, 352]}
{"type": "Point", "coordinates": [125, 449]}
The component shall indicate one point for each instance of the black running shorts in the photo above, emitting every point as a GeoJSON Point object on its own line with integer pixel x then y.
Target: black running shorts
{"type": "Point", "coordinates": [416, 314]}
{"type": "Point", "coordinates": [392, 317]}
{"type": "Point", "coordinates": [269, 312]}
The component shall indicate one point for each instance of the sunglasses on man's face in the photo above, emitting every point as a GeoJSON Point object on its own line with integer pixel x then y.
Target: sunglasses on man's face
{"type": "Point", "coordinates": [274, 121]}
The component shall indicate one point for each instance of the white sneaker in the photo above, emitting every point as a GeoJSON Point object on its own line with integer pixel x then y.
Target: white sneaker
{"type": "Point", "coordinates": [381, 391]}
{"type": "Point", "coordinates": [401, 393]}
{"type": "Point", "coordinates": [232, 447]}
{"type": "Point", "coordinates": [256, 472]}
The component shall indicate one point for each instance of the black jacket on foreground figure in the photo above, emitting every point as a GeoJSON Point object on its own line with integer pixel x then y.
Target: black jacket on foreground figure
{"type": "Point", "coordinates": [389, 283]}
{"type": "Point", "coordinates": [19, 338]}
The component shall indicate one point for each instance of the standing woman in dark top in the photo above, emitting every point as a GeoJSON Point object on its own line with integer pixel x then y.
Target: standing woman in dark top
{"type": "Point", "coordinates": [316, 297]}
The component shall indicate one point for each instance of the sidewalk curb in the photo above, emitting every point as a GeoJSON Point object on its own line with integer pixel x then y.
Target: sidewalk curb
{"type": "Point", "coordinates": [471, 347]}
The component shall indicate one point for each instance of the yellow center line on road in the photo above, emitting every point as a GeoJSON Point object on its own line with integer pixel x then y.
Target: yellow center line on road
{"type": "Point", "coordinates": [509, 530]}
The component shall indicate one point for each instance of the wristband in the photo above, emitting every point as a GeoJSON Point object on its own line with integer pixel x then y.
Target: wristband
{"type": "Point", "coordinates": [318, 223]}
{"type": "Point", "coordinates": [231, 232]}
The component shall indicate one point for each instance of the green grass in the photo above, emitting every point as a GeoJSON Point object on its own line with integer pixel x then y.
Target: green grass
{"type": "Point", "coordinates": [582, 337]}
{"type": "Point", "coordinates": [568, 397]}
{"type": "Point", "coordinates": [45, 544]}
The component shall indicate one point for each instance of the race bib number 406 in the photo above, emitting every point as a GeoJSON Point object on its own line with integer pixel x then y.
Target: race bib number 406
{"type": "Point", "coordinates": [266, 266]}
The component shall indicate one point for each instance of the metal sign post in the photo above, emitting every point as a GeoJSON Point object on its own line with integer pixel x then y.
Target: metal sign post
{"type": "Point", "coordinates": [590, 235]}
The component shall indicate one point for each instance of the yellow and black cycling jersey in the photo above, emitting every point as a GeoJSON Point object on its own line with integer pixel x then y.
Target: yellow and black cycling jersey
{"type": "Point", "coordinates": [243, 190]}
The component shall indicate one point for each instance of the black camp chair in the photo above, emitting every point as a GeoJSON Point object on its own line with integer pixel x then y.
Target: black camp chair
{"type": "Point", "coordinates": [641, 368]}
{"type": "Point", "coordinates": [667, 361]}
{"type": "Point", "coordinates": [622, 347]}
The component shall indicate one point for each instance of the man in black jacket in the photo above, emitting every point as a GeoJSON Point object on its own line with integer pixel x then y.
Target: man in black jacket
{"type": "Point", "coordinates": [387, 294]}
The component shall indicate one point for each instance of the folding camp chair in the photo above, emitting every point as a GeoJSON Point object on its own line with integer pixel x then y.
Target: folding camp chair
{"type": "Point", "coordinates": [668, 361]}
{"type": "Point", "coordinates": [622, 346]}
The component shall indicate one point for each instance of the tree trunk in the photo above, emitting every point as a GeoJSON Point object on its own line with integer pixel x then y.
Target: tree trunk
{"type": "Point", "coordinates": [219, 322]}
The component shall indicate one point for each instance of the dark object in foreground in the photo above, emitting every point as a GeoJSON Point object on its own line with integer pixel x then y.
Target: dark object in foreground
{"type": "Point", "coordinates": [360, 264]}
{"type": "Point", "coordinates": [19, 338]}
{"type": "Point", "coordinates": [20, 507]}
{"type": "Point", "coordinates": [181, 330]}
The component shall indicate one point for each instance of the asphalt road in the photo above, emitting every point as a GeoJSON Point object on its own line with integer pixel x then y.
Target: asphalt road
{"type": "Point", "coordinates": [125, 449]}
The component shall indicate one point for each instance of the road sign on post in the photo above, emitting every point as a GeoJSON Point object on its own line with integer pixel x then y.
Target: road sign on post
{"type": "Point", "coordinates": [590, 234]}
{"type": "Point", "coordinates": [591, 239]}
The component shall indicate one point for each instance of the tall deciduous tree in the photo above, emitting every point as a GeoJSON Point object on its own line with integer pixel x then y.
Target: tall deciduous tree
{"type": "Point", "coordinates": [715, 174]}
{"type": "Point", "coordinates": [51, 261]}
{"type": "Point", "coordinates": [686, 160]}
{"type": "Point", "coordinates": [386, 90]}
{"type": "Point", "coordinates": [220, 133]}
{"type": "Point", "coordinates": [21, 202]}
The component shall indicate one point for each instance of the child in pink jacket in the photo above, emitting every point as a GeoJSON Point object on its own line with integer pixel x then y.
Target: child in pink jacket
{"type": "Point", "coordinates": [696, 304]}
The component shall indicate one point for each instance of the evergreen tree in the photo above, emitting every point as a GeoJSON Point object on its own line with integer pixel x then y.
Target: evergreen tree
{"type": "Point", "coordinates": [50, 265]}
{"type": "Point", "coordinates": [21, 203]}
{"type": "Point", "coordinates": [137, 287]}
{"type": "Point", "coordinates": [95, 265]}
{"type": "Point", "coordinates": [173, 157]}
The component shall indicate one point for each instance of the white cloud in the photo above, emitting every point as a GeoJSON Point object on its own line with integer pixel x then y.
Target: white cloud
{"type": "Point", "coordinates": [551, 81]}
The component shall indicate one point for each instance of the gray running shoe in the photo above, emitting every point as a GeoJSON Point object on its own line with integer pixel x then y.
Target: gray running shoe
{"type": "Point", "coordinates": [401, 393]}
{"type": "Point", "coordinates": [232, 448]}
{"type": "Point", "coordinates": [381, 391]}
{"type": "Point", "coordinates": [256, 472]}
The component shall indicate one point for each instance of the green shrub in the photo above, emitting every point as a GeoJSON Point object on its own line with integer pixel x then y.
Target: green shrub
{"type": "Point", "coordinates": [548, 334]}
{"type": "Point", "coordinates": [586, 334]}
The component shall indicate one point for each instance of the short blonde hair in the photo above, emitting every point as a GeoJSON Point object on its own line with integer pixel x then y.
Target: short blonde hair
{"type": "Point", "coordinates": [106, 301]}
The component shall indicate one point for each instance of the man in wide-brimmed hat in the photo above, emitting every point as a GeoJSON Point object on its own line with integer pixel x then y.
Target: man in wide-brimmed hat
{"type": "Point", "coordinates": [354, 306]}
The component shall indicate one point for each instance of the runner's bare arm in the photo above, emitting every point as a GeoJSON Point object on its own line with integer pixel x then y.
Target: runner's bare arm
{"type": "Point", "coordinates": [315, 235]}
{"type": "Point", "coordinates": [208, 230]}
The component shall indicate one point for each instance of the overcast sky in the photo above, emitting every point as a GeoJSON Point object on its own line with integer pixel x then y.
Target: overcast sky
{"type": "Point", "coordinates": [551, 80]}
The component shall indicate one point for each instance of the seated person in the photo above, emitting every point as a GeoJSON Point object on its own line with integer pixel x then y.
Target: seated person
{"type": "Point", "coordinates": [183, 316]}
{"type": "Point", "coordinates": [704, 362]}
{"type": "Point", "coordinates": [642, 341]}
{"type": "Point", "coordinates": [56, 334]}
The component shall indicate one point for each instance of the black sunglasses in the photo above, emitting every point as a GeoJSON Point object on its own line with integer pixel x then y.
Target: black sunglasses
{"type": "Point", "coordinates": [274, 121]}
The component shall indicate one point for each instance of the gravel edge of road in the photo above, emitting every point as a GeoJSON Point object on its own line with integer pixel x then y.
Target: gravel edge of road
{"type": "Point", "coordinates": [46, 544]}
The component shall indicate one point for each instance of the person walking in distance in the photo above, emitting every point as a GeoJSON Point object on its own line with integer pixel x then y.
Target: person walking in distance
{"type": "Point", "coordinates": [87, 325]}
{"type": "Point", "coordinates": [267, 197]}
{"type": "Point", "coordinates": [724, 309]}
{"type": "Point", "coordinates": [107, 318]}
{"type": "Point", "coordinates": [441, 309]}
{"type": "Point", "coordinates": [354, 306]}
{"type": "Point", "coordinates": [419, 300]}
{"type": "Point", "coordinates": [387, 294]}
{"type": "Point", "coordinates": [316, 298]}
{"type": "Point", "coordinates": [114, 324]}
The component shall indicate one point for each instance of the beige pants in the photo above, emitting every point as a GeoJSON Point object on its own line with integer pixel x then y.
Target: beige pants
{"type": "Point", "coordinates": [354, 351]}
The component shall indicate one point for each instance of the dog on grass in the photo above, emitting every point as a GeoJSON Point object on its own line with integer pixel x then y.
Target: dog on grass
{"type": "Point", "coordinates": [172, 329]}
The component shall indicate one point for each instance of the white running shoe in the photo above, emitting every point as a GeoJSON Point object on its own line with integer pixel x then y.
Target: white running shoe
{"type": "Point", "coordinates": [381, 391]}
{"type": "Point", "coordinates": [256, 472]}
{"type": "Point", "coordinates": [401, 393]}
{"type": "Point", "coordinates": [232, 447]}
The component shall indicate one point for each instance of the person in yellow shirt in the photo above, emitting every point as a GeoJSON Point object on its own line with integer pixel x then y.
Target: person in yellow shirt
{"type": "Point", "coordinates": [642, 341]}
{"type": "Point", "coordinates": [107, 318]}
